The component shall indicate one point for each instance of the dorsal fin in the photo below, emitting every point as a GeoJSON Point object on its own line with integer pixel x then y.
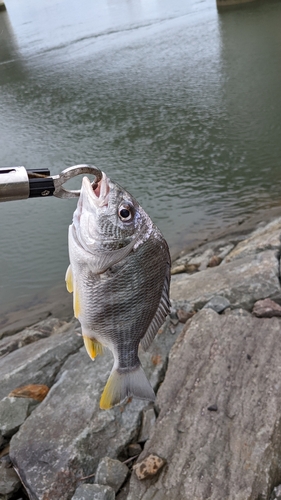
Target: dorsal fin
{"type": "Point", "coordinates": [161, 313]}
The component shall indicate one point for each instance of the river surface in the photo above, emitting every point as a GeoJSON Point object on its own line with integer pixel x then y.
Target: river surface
{"type": "Point", "coordinates": [177, 102]}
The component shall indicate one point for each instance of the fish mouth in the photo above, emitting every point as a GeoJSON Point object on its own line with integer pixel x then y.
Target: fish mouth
{"type": "Point", "coordinates": [97, 194]}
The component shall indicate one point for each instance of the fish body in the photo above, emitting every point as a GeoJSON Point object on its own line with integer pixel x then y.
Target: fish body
{"type": "Point", "coordinates": [119, 274]}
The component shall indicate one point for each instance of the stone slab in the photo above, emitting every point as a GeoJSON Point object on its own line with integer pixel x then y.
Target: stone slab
{"type": "Point", "coordinates": [266, 237]}
{"type": "Point", "coordinates": [9, 481]}
{"type": "Point", "coordinates": [232, 364]}
{"type": "Point", "coordinates": [242, 282]}
{"type": "Point", "coordinates": [37, 363]}
{"type": "Point", "coordinates": [111, 472]}
{"type": "Point", "coordinates": [93, 492]}
{"type": "Point", "coordinates": [29, 335]}
{"type": "Point", "coordinates": [13, 412]}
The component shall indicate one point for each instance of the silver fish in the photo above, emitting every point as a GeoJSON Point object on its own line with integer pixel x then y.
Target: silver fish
{"type": "Point", "coordinates": [119, 274]}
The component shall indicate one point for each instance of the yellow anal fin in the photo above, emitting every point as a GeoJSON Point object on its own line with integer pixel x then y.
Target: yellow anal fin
{"type": "Point", "coordinates": [69, 279]}
{"type": "Point", "coordinates": [93, 347]}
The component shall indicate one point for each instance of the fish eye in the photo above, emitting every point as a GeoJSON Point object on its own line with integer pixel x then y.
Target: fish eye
{"type": "Point", "coordinates": [125, 213]}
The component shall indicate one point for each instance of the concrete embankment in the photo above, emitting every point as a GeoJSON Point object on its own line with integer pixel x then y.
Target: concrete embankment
{"type": "Point", "coordinates": [214, 431]}
{"type": "Point", "coordinates": [222, 4]}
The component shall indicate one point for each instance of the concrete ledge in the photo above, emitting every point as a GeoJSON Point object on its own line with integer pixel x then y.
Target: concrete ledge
{"type": "Point", "coordinates": [226, 3]}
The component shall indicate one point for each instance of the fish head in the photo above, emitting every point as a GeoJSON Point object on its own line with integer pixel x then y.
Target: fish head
{"type": "Point", "coordinates": [107, 216]}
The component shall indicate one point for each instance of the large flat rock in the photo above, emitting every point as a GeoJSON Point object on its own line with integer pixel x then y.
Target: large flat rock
{"type": "Point", "coordinates": [37, 363]}
{"type": "Point", "coordinates": [266, 237]}
{"type": "Point", "coordinates": [242, 282]}
{"type": "Point", "coordinates": [66, 436]}
{"type": "Point", "coordinates": [231, 364]}
{"type": "Point", "coordinates": [29, 335]}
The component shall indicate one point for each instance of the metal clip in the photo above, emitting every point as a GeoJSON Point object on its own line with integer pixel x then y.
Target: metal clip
{"type": "Point", "coordinates": [19, 183]}
{"type": "Point", "coordinates": [69, 173]}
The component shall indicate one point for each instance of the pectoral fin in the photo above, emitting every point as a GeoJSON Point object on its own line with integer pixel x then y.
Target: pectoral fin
{"type": "Point", "coordinates": [71, 288]}
{"type": "Point", "coordinates": [106, 259]}
{"type": "Point", "coordinates": [92, 346]}
{"type": "Point", "coordinates": [69, 279]}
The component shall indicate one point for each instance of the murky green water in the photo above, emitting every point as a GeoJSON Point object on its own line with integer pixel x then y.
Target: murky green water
{"type": "Point", "coordinates": [178, 103]}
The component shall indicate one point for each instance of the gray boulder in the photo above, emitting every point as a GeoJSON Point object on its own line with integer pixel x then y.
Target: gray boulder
{"type": "Point", "coordinates": [66, 436]}
{"type": "Point", "coordinates": [37, 363]}
{"type": "Point", "coordinates": [200, 261]}
{"type": "Point", "coordinates": [232, 364]}
{"type": "Point", "coordinates": [265, 237]}
{"type": "Point", "coordinates": [200, 258]}
{"type": "Point", "coordinates": [218, 304]}
{"type": "Point", "coordinates": [29, 335]}
{"type": "Point", "coordinates": [9, 481]}
{"type": "Point", "coordinates": [93, 492]}
{"type": "Point", "coordinates": [111, 472]}
{"type": "Point", "coordinates": [148, 422]}
{"type": "Point", "coordinates": [266, 308]}
{"type": "Point", "coordinates": [13, 412]}
{"type": "Point", "coordinates": [56, 303]}
{"type": "Point", "coordinates": [242, 282]}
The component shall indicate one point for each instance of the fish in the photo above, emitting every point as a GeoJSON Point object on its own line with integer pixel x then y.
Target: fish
{"type": "Point", "coordinates": [119, 275]}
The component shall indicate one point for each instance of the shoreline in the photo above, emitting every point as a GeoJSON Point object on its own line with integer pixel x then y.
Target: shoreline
{"type": "Point", "coordinates": [240, 227]}
{"type": "Point", "coordinates": [57, 302]}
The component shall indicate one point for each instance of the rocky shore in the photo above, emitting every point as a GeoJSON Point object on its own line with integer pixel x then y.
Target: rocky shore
{"type": "Point", "coordinates": [214, 431]}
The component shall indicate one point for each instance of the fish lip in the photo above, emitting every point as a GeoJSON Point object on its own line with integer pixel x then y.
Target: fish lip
{"type": "Point", "coordinates": [98, 196]}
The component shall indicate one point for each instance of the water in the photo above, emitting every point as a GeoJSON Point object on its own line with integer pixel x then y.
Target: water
{"type": "Point", "coordinates": [177, 102]}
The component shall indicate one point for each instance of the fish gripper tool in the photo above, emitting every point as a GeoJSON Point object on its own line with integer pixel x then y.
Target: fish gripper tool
{"type": "Point", "coordinates": [19, 183]}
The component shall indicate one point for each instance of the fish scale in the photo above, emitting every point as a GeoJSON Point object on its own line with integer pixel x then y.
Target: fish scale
{"type": "Point", "coordinates": [119, 274]}
{"type": "Point", "coordinates": [120, 289]}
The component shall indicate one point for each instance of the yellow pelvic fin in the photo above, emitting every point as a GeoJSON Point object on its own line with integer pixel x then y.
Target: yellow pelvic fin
{"type": "Point", "coordinates": [69, 280]}
{"type": "Point", "coordinates": [93, 347]}
{"type": "Point", "coordinates": [108, 397]}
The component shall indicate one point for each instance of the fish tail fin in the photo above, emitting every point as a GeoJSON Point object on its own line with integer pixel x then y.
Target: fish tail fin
{"type": "Point", "coordinates": [122, 384]}
{"type": "Point", "coordinates": [92, 346]}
